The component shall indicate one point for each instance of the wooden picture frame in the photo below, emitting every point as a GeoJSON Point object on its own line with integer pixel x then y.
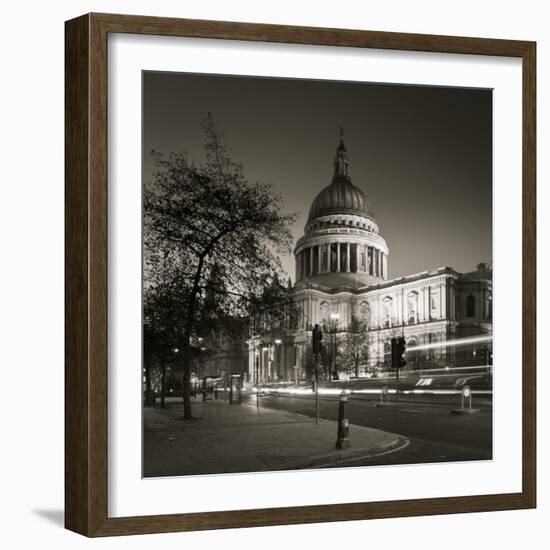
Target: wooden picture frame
{"type": "Point", "coordinates": [86, 359]}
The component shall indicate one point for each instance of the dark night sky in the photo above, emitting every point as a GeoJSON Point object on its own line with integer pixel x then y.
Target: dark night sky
{"type": "Point", "coordinates": [422, 155]}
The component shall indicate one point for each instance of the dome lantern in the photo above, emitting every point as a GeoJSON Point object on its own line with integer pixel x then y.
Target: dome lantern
{"type": "Point", "coordinates": [341, 196]}
{"type": "Point", "coordinates": [341, 163]}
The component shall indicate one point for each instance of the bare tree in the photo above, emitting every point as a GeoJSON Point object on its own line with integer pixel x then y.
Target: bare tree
{"type": "Point", "coordinates": [355, 346]}
{"type": "Point", "coordinates": [203, 217]}
{"type": "Point", "coordinates": [307, 361]}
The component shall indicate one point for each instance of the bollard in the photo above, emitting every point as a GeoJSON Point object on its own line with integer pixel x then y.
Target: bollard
{"type": "Point", "coordinates": [466, 393]}
{"type": "Point", "coordinates": [384, 397]}
{"type": "Point", "coordinates": [216, 393]}
{"type": "Point", "coordinates": [343, 441]}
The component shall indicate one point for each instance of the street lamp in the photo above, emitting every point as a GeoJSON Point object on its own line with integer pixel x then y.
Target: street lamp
{"type": "Point", "coordinates": [257, 371]}
{"type": "Point", "coordinates": [278, 342]}
{"type": "Point", "coordinates": [257, 366]}
{"type": "Point", "coordinates": [264, 369]}
{"type": "Point", "coordinates": [335, 317]}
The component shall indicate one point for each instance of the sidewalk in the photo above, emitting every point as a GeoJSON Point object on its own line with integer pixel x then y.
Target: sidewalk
{"type": "Point", "coordinates": [224, 438]}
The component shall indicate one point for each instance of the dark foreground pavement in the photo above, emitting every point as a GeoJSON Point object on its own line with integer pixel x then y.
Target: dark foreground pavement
{"type": "Point", "coordinates": [224, 438]}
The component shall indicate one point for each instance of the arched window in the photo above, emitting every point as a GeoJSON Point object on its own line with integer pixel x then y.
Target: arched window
{"type": "Point", "coordinates": [387, 305]}
{"type": "Point", "coordinates": [412, 307]}
{"type": "Point", "coordinates": [471, 306]}
{"type": "Point", "coordinates": [413, 355]}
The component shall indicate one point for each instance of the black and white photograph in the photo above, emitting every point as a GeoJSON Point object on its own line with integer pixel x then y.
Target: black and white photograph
{"type": "Point", "coordinates": [261, 259]}
{"type": "Point", "coordinates": [317, 274]}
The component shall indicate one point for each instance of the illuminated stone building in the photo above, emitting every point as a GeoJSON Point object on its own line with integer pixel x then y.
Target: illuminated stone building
{"type": "Point", "coordinates": [342, 273]}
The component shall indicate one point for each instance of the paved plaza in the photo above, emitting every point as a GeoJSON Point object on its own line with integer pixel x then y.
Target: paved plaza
{"type": "Point", "coordinates": [224, 438]}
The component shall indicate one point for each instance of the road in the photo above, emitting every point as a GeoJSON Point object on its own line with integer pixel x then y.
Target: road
{"type": "Point", "coordinates": [435, 434]}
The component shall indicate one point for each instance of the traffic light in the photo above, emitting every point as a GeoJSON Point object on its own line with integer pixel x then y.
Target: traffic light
{"type": "Point", "coordinates": [401, 349]}
{"type": "Point", "coordinates": [317, 339]}
{"type": "Point", "coordinates": [398, 349]}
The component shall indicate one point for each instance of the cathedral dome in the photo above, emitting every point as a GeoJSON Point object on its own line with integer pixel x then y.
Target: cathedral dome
{"type": "Point", "coordinates": [341, 196]}
{"type": "Point", "coordinates": [341, 246]}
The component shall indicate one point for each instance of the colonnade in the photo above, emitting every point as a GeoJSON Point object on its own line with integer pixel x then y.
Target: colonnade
{"type": "Point", "coordinates": [341, 257]}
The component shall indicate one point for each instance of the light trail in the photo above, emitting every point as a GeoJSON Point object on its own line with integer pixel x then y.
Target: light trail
{"type": "Point", "coordinates": [375, 391]}
{"type": "Point", "coordinates": [457, 342]}
{"type": "Point", "coordinates": [450, 369]}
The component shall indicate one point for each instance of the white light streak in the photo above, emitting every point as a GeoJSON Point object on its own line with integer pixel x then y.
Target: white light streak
{"type": "Point", "coordinates": [335, 391]}
{"type": "Point", "coordinates": [452, 343]}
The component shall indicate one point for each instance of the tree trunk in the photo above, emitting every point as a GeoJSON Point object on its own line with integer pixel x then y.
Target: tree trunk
{"type": "Point", "coordinates": [149, 400]}
{"type": "Point", "coordinates": [186, 381]}
{"type": "Point", "coordinates": [186, 348]}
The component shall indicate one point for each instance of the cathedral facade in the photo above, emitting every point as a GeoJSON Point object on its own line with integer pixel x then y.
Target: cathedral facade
{"type": "Point", "coordinates": [342, 277]}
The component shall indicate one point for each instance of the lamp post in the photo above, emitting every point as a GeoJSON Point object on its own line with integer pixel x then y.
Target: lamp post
{"type": "Point", "coordinates": [278, 342]}
{"type": "Point", "coordinates": [334, 317]}
{"type": "Point", "coordinates": [256, 375]}
{"type": "Point", "coordinates": [162, 398]}
{"type": "Point", "coordinates": [266, 372]}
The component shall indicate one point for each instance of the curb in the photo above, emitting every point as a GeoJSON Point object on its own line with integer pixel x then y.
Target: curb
{"type": "Point", "coordinates": [338, 457]}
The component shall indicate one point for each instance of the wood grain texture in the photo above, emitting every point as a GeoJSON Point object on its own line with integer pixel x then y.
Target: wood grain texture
{"type": "Point", "coordinates": [77, 387]}
{"type": "Point", "coordinates": [86, 231]}
{"type": "Point", "coordinates": [529, 275]}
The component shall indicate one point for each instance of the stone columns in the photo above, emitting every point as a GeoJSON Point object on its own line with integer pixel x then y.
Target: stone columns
{"type": "Point", "coordinates": [367, 260]}
{"type": "Point", "coordinates": [427, 304]}
{"type": "Point", "coordinates": [357, 258]}
{"type": "Point", "coordinates": [337, 257]}
{"type": "Point", "coordinates": [319, 259]}
{"type": "Point", "coordinates": [311, 260]}
{"type": "Point", "coordinates": [370, 261]}
{"type": "Point", "coordinates": [348, 263]}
